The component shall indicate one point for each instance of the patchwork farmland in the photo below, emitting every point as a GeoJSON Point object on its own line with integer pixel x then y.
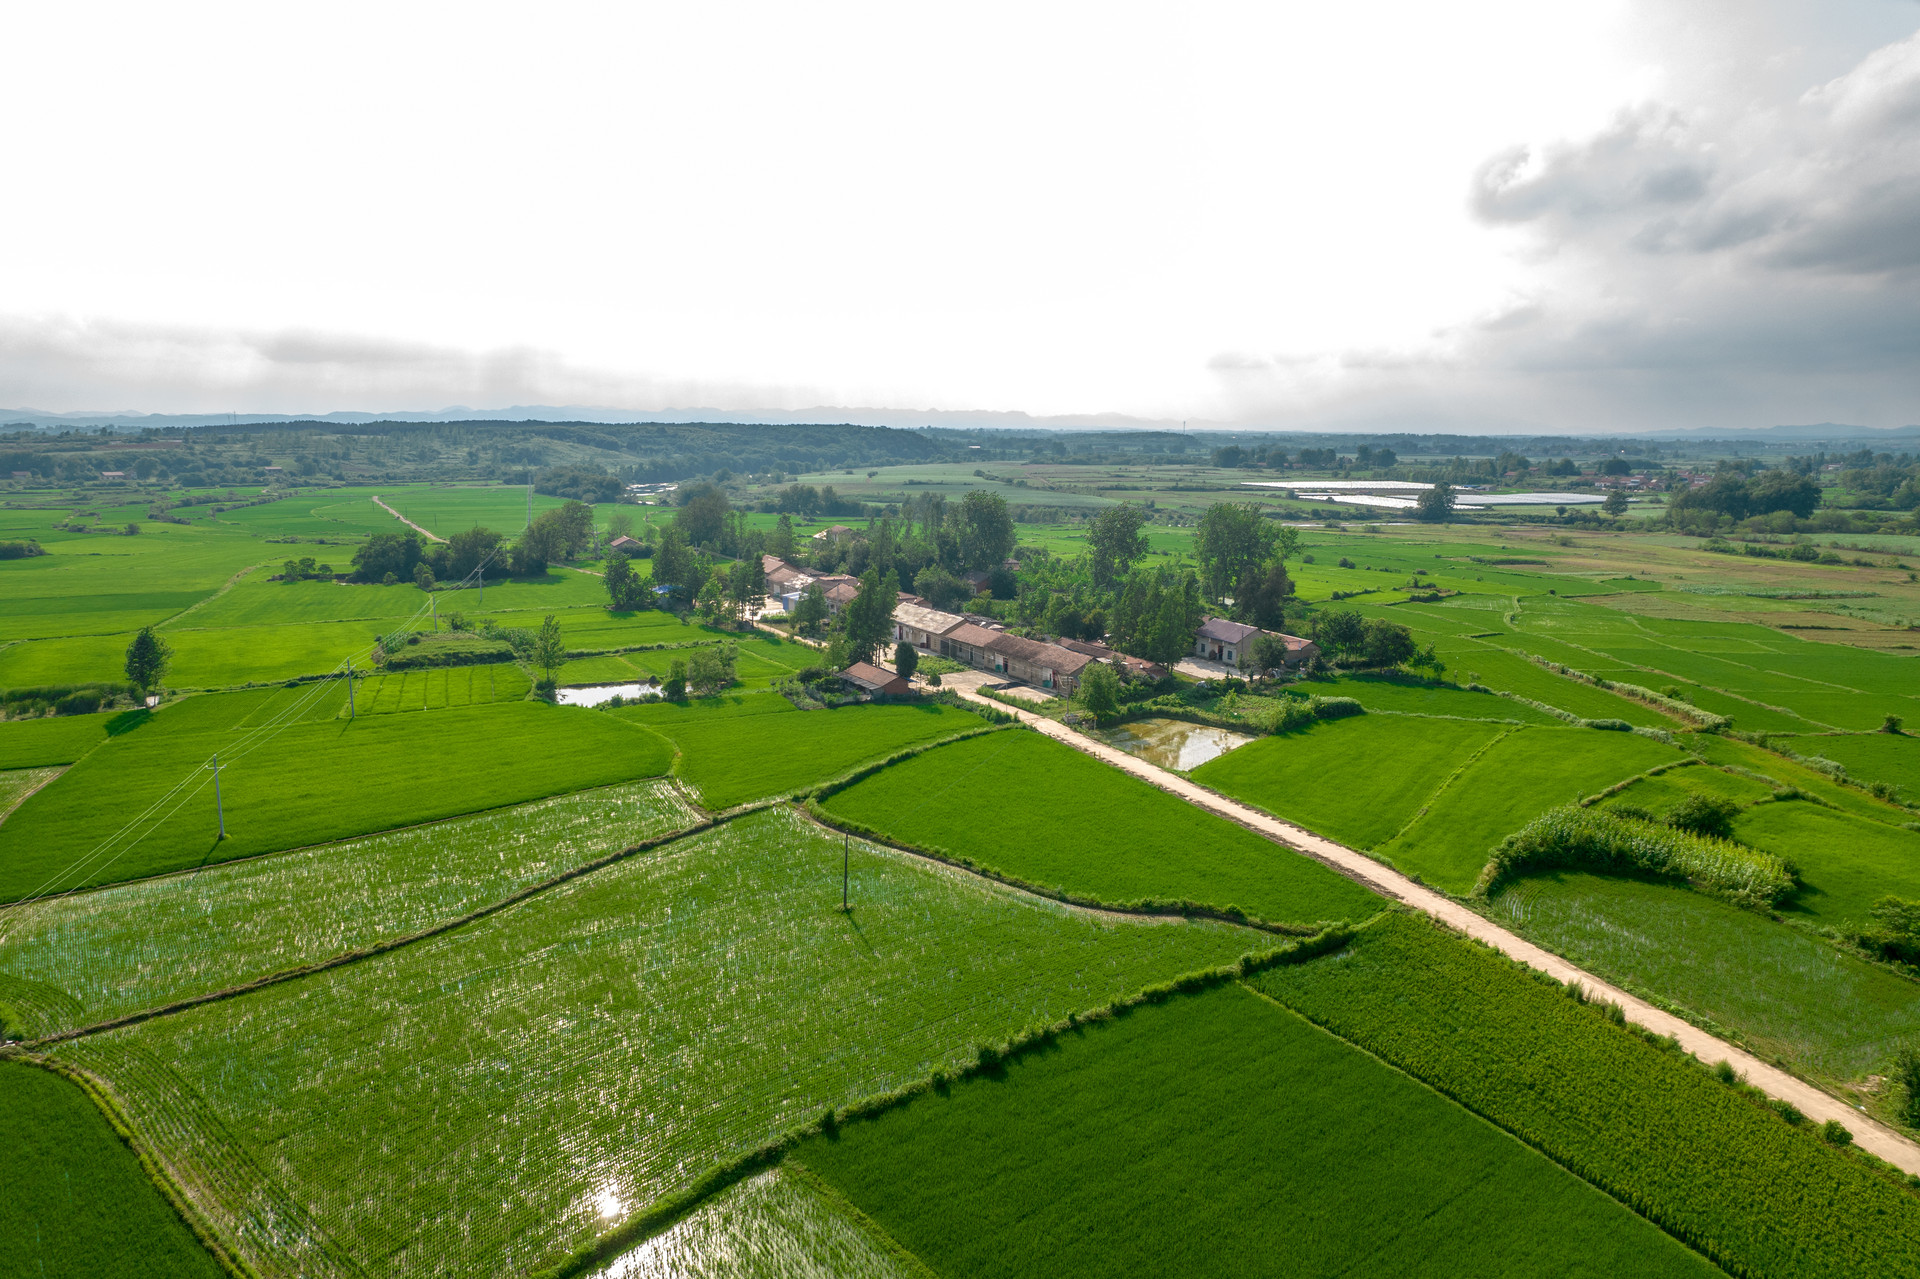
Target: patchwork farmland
{"type": "Point", "coordinates": [763, 885]}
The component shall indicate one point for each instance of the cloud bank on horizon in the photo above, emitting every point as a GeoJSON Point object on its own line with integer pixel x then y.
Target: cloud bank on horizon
{"type": "Point", "coordinates": [1503, 216]}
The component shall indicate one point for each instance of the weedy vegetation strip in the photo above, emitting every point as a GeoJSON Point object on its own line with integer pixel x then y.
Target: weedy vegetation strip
{"type": "Point", "coordinates": [985, 1060]}
{"type": "Point", "coordinates": [616, 1035]}
{"type": "Point", "coordinates": [1704, 1161]}
{"type": "Point", "coordinates": [1594, 839]}
{"type": "Point", "coordinates": [1065, 825]}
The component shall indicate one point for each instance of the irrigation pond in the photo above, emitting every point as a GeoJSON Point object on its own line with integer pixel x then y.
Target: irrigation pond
{"type": "Point", "coordinates": [1174, 743]}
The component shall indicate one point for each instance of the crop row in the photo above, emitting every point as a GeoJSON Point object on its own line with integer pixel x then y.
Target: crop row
{"type": "Point", "coordinates": [1733, 1179]}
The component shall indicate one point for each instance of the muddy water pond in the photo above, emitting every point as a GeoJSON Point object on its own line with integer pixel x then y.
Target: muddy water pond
{"type": "Point", "coordinates": [1174, 743]}
{"type": "Point", "coordinates": [594, 694]}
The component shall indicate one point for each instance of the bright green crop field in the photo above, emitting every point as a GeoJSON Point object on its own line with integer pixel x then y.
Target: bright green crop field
{"type": "Point", "coordinates": [733, 758]}
{"type": "Point", "coordinates": [1414, 696]}
{"type": "Point", "coordinates": [90, 956]}
{"type": "Point", "coordinates": [1847, 861]}
{"type": "Point", "coordinates": [77, 1202]}
{"type": "Point", "coordinates": [1702, 1161]}
{"type": "Point", "coordinates": [1871, 757]}
{"type": "Point", "coordinates": [1789, 995]}
{"type": "Point", "coordinates": [1516, 779]}
{"type": "Point", "coordinates": [1220, 1134]}
{"type": "Point", "coordinates": [1357, 780]}
{"type": "Point", "coordinates": [1091, 831]}
{"type": "Point", "coordinates": [53, 739]}
{"type": "Point", "coordinates": [311, 781]}
{"type": "Point", "coordinates": [485, 1100]}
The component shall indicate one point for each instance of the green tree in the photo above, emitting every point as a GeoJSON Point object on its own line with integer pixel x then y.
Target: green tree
{"type": "Point", "coordinates": [906, 659]}
{"type": "Point", "coordinates": [1385, 643]}
{"type": "Point", "coordinates": [747, 585]}
{"type": "Point", "coordinates": [423, 576]}
{"type": "Point", "coordinates": [1263, 653]}
{"type": "Point", "coordinates": [626, 590]}
{"type": "Point", "coordinates": [387, 554]}
{"type": "Point", "coordinates": [147, 658]}
{"type": "Point", "coordinates": [703, 514]}
{"type": "Point", "coordinates": [1616, 503]}
{"type": "Point", "coordinates": [781, 543]}
{"type": "Point", "coordinates": [1234, 541]}
{"type": "Point", "coordinates": [1099, 690]}
{"type": "Point", "coordinates": [940, 588]}
{"type": "Point", "coordinates": [619, 524]}
{"type": "Point", "coordinates": [1340, 633]}
{"type": "Point", "coordinates": [986, 530]}
{"type": "Point", "coordinates": [711, 668]}
{"type": "Point", "coordinates": [810, 610]}
{"type": "Point", "coordinates": [469, 550]}
{"type": "Point", "coordinates": [1116, 543]}
{"type": "Point", "coordinates": [549, 649]}
{"type": "Point", "coordinates": [676, 567]}
{"type": "Point", "coordinates": [869, 616]}
{"type": "Point", "coordinates": [676, 687]}
{"type": "Point", "coordinates": [1435, 504]}
{"type": "Point", "coordinates": [1261, 597]}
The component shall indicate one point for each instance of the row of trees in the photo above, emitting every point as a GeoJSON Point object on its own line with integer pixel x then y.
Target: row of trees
{"type": "Point", "coordinates": [560, 534]}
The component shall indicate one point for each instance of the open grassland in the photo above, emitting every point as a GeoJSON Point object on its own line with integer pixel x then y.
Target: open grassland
{"type": "Point", "coordinates": [1063, 821]}
{"type": "Point", "coordinates": [1846, 861]}
{"type": "Point", "coordinates": [471, 1103]}
{"type": "Point", "coordinates": [100, 583]}
{"type": "Point", "coordinates": [782, 1224]}
{"type": "Point", "coordinates": [92, 956]}
{"type": "Point", "coordinates": [54, 739]}
{"type": "Point", "coordinates": [1512, 782]}
{"type": "Point", "coordinates": [308, 782]}
{"type": "Point", "coordinates": [736, 757]}
{"type": "Point", "coordinates": [1704, 1162]}
{"type": "Point", "coordinates": [201, 658]}
{"type": "Point", "coordinates": [1872, 757]}
{"type": "Point", "coordinates": [1787, 995]}
{"type": "Point", "coordinates": [77, 1203]}
{"type": "Point", "coordinates": [258, 601]}
{"type": "Point", "coordinates": [1357, 780]}
{"type": "Point", "coordinates": [1219, 1134]}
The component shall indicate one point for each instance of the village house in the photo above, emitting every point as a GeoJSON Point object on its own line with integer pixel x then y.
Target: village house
{"type": "Point", "coordinates": [967, 643]}
{"type": "Point", "coordinates": [875, 682]}
{"type": "Point", "coordinates": [1220, 640]}
{"type": "Point", "coordinates": [1037, 662]}
{"type": "Point", "coordinates": [923, 627]}
{"type": "Point", "coordinates": [1136, 667]}
{"type": "Point", "coordinates": [834, 531]}
{"type": "Point", "coordinates": [627, 546]}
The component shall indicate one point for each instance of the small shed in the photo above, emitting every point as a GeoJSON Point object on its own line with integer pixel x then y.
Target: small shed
{"type": "Point", "coordinates": [874, 681]}
{"type": "Point", "coordinates": [627, 546]}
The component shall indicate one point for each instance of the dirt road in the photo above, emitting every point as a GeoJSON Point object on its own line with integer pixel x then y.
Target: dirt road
{"type": "Point", "coordinates": [431, 537]}
{"type": "Point", "coordinates": [1820, 1106]}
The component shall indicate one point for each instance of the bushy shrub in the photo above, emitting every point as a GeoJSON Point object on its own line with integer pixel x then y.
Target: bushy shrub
{"type": "Point", "coordinates": [1611, 725]}
{"type": "Point", "coordinates": [1709, 815]}
{"type": "Point", "coordinates": [1335, 707]}
{"type": "Point", "coordinates": [1595, 839]}
{"type": "Point", "coordinates": [1906, 1073]}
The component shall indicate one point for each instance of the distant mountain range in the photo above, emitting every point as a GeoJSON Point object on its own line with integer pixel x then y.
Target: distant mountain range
{"type": "Point", "coordinates": [1821, 432]}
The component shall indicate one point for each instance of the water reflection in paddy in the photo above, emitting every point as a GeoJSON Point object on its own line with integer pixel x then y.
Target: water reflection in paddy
{"type": "Point", "coordinates": [1174, 743]}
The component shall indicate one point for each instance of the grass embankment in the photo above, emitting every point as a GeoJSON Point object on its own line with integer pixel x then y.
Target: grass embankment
{"type": "Point", "coordinates": [1646, 1125]}
{"type": "Point", "coordinates": [618, 1035]}
{"type": "Point", "coordinates": [1218, 1134]}
{"type": "Point", "coordinates": [1358, 781]}
{"type": "Point", "coordinates": [57, 739]}
{"type": "Point", "coordinates": [89, 957]}
{"type": "Point", "coordinates": [1595, 839]}
{"type": "Point", "coordinates": [759, 745]}
{"type": "Point", "coordinates": [77, 1201]}
{"type": "Point", "coordinates": [1031, 809]}
{"type": "Point", "coordinates": [1787, 995]}
{"type": "Point", "coordinates": [316, 780]}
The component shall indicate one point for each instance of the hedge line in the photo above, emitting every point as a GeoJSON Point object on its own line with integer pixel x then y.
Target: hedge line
{"type": "Point", "coordinates": [1595, 839]}
{"type": "Point", "coordinates": [989, 1059]}
{"type": "Point", "coordinates": [1707, 721]}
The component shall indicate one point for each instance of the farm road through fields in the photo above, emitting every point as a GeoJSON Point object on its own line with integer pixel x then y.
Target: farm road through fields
{"type": "Point", "coordinates": [1816, 1104]}
{"type": "Point", "coordinates": [430, 536]}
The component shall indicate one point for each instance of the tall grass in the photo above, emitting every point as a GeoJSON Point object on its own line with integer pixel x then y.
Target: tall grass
{"type": "Point", "coordinates": [1597, 840]}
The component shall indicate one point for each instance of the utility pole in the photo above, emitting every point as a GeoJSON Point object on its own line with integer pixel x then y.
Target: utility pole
{"type": "Point", "coordinates": [434, 601]}
{"type": "Point", "coordinates": [846, 858]}
{"type": "Point", "coordinates": [529, 506]}
{"type": "Point", "coordinates": [218, 808]}
{"type": "Point", "coordinates": [349, 692]}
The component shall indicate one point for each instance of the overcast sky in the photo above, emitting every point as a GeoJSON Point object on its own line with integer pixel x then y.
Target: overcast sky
{"type": "Point", "coordinates": [1398, 215]}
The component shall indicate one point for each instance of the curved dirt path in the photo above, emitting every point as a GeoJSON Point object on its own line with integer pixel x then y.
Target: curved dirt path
{"type": "Point", "coordinates": [431, 537]}
{"type": "Point", "coordinates": [1820, 1106]}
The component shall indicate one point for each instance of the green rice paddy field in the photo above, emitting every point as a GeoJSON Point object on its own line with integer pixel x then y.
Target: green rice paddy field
{"type": "Point", "coordinates": [1221, 1134]}
{"type": "Point", "coordinates": [641, 1024]}
{"type": "Point", "coordinates": [77, 1202]}
{"type": "Point", "coordinates": [1091, 831]}
{"type": "Point", "coordinates": [125, 811]}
